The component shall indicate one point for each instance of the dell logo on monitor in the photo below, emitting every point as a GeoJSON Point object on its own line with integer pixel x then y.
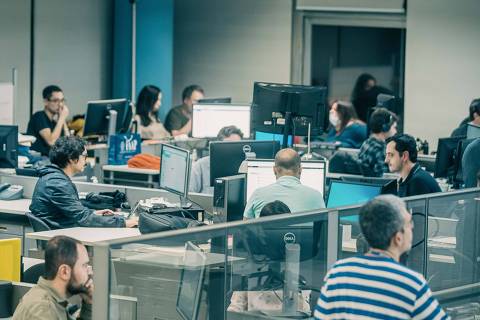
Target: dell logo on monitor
{"type": "Point", "coordinates": [247, 148]}
{"type": "Point", "coordinates": [289, 237]}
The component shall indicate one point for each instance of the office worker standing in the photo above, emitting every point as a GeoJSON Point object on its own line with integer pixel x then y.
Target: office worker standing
{"type": "Point", "coordinates": [179, 118]}
{"type": "Point", "coordinates": [55, 198]}
{"type": "Point", "coordinates": [376, 285]}
{"type": "Point", "coordinates": [287, 188]}
{"type": "Point", "coordinates": [49, 124]}
{"type": "Point", "coordinates": [401, 157]}
{"type": "Point", "coordinates": [200, 176]}
{"type": "Point", "coordinates": [148, 103]}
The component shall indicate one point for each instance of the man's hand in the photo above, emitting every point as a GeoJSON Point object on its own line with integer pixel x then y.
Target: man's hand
{"type": "Point", "coordinates": [63, 114]}
{"type": "Point", "coordinates": [132, 222]}
{"type": "Point", "coordinates": [88, 297]}
{"type": "Point", "coordinates": [105, 212]}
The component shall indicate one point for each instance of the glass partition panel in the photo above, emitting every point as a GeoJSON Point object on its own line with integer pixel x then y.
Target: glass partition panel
{"type": "Point", "coordinates": [453, 240]}
{"type": "Point", "coordinates": [350, 239]}
{"type": "Point", "coordinates": [277, 266]}
{"type": "Point", "coordinates": [179, 277]}
{"type": "Point", "coordinates": [415, 259]}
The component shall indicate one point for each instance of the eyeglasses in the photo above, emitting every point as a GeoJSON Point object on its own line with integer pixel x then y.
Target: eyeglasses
{"type": "Point", "coordinates": [58, 100]}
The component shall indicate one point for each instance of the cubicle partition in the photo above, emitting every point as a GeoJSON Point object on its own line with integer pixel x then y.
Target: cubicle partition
{"type": "Point", "coordinates": [244, 269]}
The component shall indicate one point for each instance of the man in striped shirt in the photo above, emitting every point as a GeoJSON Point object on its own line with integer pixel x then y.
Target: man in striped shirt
{"type": "Point", "coordinates": [376, 285]}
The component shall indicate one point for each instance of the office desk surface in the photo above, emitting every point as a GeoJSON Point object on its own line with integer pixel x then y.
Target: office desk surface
{"type": "Point", "coordinates": [125, 168]}
{"type": "Point", "coordinates": [87, 236]}
{"type": "Point", "coordinates": [19, 206]}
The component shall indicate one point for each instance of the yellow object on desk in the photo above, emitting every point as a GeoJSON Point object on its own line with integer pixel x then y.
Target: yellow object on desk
{"type": "Point", "coordinates": [10, 257]}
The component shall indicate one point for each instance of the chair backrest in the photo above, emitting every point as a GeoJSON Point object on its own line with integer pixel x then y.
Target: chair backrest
{"type": "Point", "coordinates": [32, 274]}
{"type": "Point", "coordinates": [10, 255]}
{"type": "Point", "coordinates": [37, 223]}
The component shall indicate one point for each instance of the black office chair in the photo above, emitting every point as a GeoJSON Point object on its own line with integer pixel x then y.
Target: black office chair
{"type": "Point", "coordinates": [32, 274]}
{"type": "Point", "coordinates": [37, 225]}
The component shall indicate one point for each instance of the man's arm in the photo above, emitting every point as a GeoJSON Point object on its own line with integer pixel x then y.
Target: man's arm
{"type": "Point", "coordinates": [51, 136]}
{"type": "Point", "coordinates": [426, 306]}
{"type": "Point", "coordinates": [184, 130]}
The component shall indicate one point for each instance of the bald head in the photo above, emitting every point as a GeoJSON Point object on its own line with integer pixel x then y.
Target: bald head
{"type": "Point", "coordinates": [287, 163]}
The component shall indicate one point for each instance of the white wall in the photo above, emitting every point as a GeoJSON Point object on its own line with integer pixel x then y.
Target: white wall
{"type": "Point", "coordinates": [442, 71]}
{"type": "Point", "coordinates": [73, 49]}
{"type": "Point", "coordinates": [15, 53]}
{"type": "Point", "coordinates": [225, 46]}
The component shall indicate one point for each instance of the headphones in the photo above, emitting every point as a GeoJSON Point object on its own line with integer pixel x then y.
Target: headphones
{"type": "Point", "coordinates": [388, 124]}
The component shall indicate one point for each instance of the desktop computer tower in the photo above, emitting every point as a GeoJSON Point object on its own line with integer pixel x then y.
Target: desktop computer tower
{"type": "Point", "coordinates": [229, 198]}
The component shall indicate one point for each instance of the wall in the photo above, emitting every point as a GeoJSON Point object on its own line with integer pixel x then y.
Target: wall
{"type": "Point", "coordinates": [15, 53]}
{"type": "Point", "coordinates": [442, 73]}
{"type": "Point", "coordinates": [225, 46]}
{"type": "Point", "coordinates": [73, 49]}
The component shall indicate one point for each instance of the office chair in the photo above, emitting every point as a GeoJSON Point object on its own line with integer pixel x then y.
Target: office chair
{"type": "Point", "coordinates": [37, 225]}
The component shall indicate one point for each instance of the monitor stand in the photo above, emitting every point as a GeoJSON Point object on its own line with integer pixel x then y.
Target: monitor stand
{"type": "Point", "coordinates": [184, 203]}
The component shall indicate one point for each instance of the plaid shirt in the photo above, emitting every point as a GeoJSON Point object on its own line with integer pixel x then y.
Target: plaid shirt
{"type": "Point", "coordinates": [371, 158]}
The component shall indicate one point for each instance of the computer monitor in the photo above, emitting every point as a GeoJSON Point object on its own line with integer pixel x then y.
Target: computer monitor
{"type": "Point", "coordinates": [191, 282]}
{"type": "Point", "coordinates": [8, 147]}
{"type": "Point", "coordinates": [457, 161]}
{"type": "Point", "coordinates": [473, 131]}
{"type": "Point", "coordinates": [444, 163]}
{"type": "Point", "coordinates": [97, 116]}
{"type": "Point", "coordinates": [227, 156]}
{"type": "Point", "coordinates": [343, 193]}
{"type": "Point", "coordinates": [260, 174]}
{"type": "Point", "coordinates": [208, 119]}
{"type": "Point", "coordinates": [174, 170]}
{"type": "Point", "coordinates": [265, 136]}
{"type": "Point", "coordinates": [288, 109]}
{"type": "Point", "coordinates": [389, 185]}
{"type": "Point", "coordinates": [215, 100]}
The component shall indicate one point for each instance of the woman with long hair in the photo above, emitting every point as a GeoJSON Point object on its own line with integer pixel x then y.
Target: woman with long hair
{"type": "Point", "coordinates": [148, 103]}
{"type": "Point", "coordinates": [346, 128]}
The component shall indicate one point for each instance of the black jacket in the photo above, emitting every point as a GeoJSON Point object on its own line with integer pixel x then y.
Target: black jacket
{"type": "Point", "coordinates": [55, 200]}
{"type": "Point", "coordinates": [417, 182]}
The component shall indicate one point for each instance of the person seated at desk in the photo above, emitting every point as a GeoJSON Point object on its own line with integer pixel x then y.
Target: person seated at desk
{"type": "Point", "coordinates": [55, 198]}
{"type": "Point", "coordinates": [287, 188]}
{"type": "Point", "coordinates": [50, 123]}
{"type": "Point", "coordinates": [274, 208]}
{"type": "Point", "coordinates": [371, 157]}
{"type": "Point", "coordinates": [473, 118]}
{"type": "Point", "coordinates": [179, 118]}
{"type": "Point", "coordinates": [148, 103]}
{"type": "Point", "coordinates": [375, 285]}
{"type": "Point", "coordinates": [200, 176]}
{"type": "Point", "coordinates": [401, 157]}
{"type": "Point", "coordinates": [346, 129]}
{"type": "Point", "coordinates": [67, 279]}
{"type": "Point", "coordinates": [471, 164]}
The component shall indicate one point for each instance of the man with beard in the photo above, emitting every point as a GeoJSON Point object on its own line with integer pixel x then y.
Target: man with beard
{"type": "Point", "coordinates": [68, 277]}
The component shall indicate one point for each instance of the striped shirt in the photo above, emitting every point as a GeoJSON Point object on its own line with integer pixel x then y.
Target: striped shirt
{"type": "Point", "coordinates": [375, 287]}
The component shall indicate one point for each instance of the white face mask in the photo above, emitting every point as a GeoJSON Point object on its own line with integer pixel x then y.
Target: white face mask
{"type": "Point", "coordinates": [333, 118]}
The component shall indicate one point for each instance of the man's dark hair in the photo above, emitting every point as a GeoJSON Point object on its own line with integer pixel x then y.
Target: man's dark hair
{"type": "Point", "coordinates": [273, 208]}
{"type": "Point", "coordinates": [187, 92]}
{"type": "Point", "coordinates": [380, 219]}
{"type": "Point", "coordinates": [48, 90]}
{"type": "Point", "coordinates": [289, 163]}
{"type": "Point", "coordinates": [474, 108]}
{"type": "Point", "coordinates": [405, 142]}
{"type": "Point", "coordinates": [381, 120]}
{"type": "Point", "coordinates": [60, 250]}
{"type": "Point", "coordinates": [147, 98]}
{"type": "Point", "coordinates": [226, 132]}
{"type": "Point", "coordinates": [66, 149]}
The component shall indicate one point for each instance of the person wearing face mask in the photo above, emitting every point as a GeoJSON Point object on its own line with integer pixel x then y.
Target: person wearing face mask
{"type": "Point", "coordinates": [371, 157]}
{"type": "Point", "coordinates": [148, 103]}
{"type": "Point", "coordinates": [49, 124]}
{"type": "Point", "coordinates": [346, 129]}
{"type": "Point", "coordinates": [55, 198]}
{"type": "Point", "coordinates": [66, 289]}
{"type": "Point", "coordinates": [375, 285]}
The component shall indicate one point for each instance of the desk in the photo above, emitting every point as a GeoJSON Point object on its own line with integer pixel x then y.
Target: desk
{"type": "Point", "coordinates": [122, 174]}
{"type": "Point", "coordinates": [87, 236]}
{"type": "Point", "coordinates": [19, 206]}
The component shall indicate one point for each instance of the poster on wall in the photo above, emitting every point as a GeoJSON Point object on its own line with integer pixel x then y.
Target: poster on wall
{"type": "Point", "coordinates": [6, 103]}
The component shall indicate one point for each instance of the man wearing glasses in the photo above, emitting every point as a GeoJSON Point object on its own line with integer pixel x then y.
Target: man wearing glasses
{"type": "Point", "coordinates": [65, 291]}
{"type": "Point", "coordinates": [50, 123]}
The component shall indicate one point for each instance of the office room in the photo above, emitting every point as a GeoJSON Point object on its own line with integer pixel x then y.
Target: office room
{"type": "Point", "coordinates": [255, 159]}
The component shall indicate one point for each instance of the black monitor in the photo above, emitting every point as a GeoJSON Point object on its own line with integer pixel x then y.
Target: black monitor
{"type": "Point", "coordinates": [215, 100]}
{"type": "Point", "coordinates": [388, 185]}
{"type": "Point", "coordinates": [444, 163]}
{"type": "Point", "coordinates": [288, 109]}
{"type": "Point", "coordinates": [8, 147]}
{"type": "Point", "coordinates": [97, 116]}
{"type": "Point", "coordinates": [473, 131]}
{"type": "Point", "coordinates": [191, 282]}
{"type": "Point", "coordinates": [227, 156]}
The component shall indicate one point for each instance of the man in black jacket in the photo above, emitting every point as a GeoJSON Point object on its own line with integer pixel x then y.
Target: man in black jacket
{"type": "Point", "coordinates": [401, 157]}
{"type": "Point", "coordinates": [55, 198]}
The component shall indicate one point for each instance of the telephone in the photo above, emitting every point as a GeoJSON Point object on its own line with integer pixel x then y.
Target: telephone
{"type": "Point", "coordinates": [11, 192]}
